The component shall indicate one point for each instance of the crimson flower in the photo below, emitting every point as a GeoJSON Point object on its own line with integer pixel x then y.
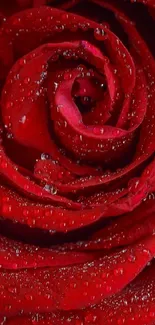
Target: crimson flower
{"type": "Point", "coordinates": [77, 166]}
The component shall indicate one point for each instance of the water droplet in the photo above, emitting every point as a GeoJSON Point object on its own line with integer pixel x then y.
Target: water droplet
{"type": "Point", "coordinates": [152, 314]}
{"type": "Point", "coordinates": [121, 321]}
{"type": "Point", "coordinates": [116, 132]}
{"type": "Point", "coordinates": [108, 288]}
{"type": "Point", "coordinates": [67, 75]}
{"type": "Point", "coordinates": [44, 156]}
{"type": "Point", "coordinates": [14, 266]}
{"type": "Point", "coordinates": [16, 21]}
{"type": "Point", "coordinates": [8, 307]}
{"type": "Point", "coordinates": [12, 290]}
{"type": "Point", "coordinates": [9, 105]}
{"type": "Point", "coordinates": [4, 164]}
{"type": "Point", "coordinates": [6, 208]}
{"type": "Point", "coordinates": [25, 212]}
{"type": "Point", "coordinates": [60, 175]}
{"type": "Point", "coordinates": [22, 61]}
{"type": "Point", "coordinates": [28, 297]}
{"type": "Point", "coordinates": [146, 252]}
{"type": "Point", "coordinates": [134, 185]}
{"type": "Point", "coordinates": [3, 321]}
{"type": "Point", "coordinates": [47, 188]}
{"type": "Point", "coordinates": [73, 285]}
{"type": "Point", "coordinates": [35, 319]}
{"type": "Point", "coordinates": [131, 258]}
{"type": "Point", "coordinates": [53, 190]}
{"type": "Point", "coordinates": [23, 119]}
{"type": "Point", "coordinates": [96, 130]}
{"type": "Point", "coordinates": [9, 136]}
{"type": "Point", "coordinates": [65, 16]}
{"type": "Point", "coordinates": [27, 80]}
{"type": "Point", "coordinates": [99, 34]}
{"type": "Point", "coordinates": [90, 318]}
{"type": "Point", "coordinates": [98, 285]}
{"type": "Point", "coordinates": [85, 100]}
{"type": "Point", "coordinates": [118, 271]}
{"type": "Point", "coordinates": [26, 187]}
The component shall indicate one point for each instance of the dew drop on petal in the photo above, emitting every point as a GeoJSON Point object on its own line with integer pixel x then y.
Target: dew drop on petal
{"type": "Point", "coordinates": [118, 271]}
{"type": "Point", "coordinates": [12, 290]}
{"type": "Point", "coordinates": [28, 297]}
{"type": "Point", "coordinates": [99, 34]}
{"type": "Point", "coordinates": [121, 321]}
{"type": "Point", "coordinates": [27, 80]}
{"type": "Point", "coordinates": [108, 288]}
{"type": "Point", "coordinates": [90, 318]}
{"type": "Point", "coordinates": [131, 258]}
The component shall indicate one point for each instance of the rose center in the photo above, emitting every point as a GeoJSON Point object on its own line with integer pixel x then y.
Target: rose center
{"type": "Point", "coordinates": [87, 92]}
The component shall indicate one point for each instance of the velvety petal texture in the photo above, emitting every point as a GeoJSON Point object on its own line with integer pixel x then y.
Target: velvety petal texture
{"type": "Point", "coordinates": [77, 162]}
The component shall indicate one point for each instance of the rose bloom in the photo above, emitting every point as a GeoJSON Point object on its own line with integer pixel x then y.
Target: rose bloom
{"type": "Point", "coordinates": [77, 166]}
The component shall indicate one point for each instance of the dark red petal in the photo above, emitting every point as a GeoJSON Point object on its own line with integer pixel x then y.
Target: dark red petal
{"type": "Point", "coordinates": [15, 255]}
{"type": "Point", "coordinates": [134, 305]}
{"type": "Point", "coordinates": [87, 284]}
{"type": "Point", "coordinates": [123, 231]}
{"type": "Point", "coordinates": [50, 217]}
{"type": "Point", "coordinates": [10, 171]}
{"type": "Point", "coordinates": [13, 206]}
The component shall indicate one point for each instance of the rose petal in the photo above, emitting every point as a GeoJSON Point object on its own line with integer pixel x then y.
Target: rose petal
{"type": "Point", "coordinates": [15, 255]}
{"type": "Point", "coordinates": [88, 283]}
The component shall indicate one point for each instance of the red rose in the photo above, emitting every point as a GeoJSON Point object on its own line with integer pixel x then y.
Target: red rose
{"type": "Point", "coordinates": [77, 193]}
